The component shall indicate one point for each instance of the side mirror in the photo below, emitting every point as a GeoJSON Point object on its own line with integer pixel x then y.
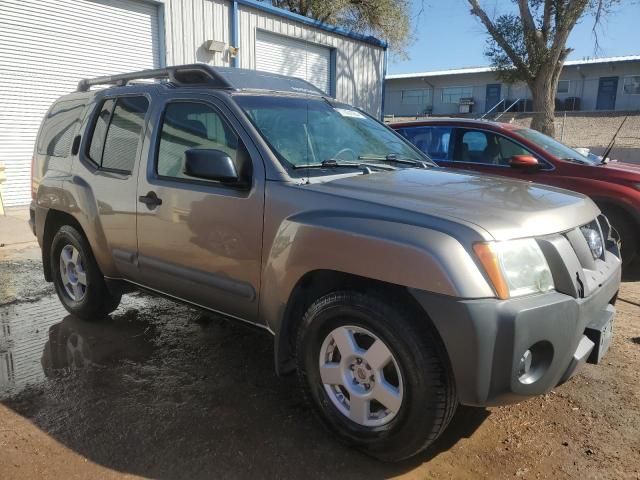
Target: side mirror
{"type": "Point", "coordinates": [210, 164]}
{"type": "Point", "coordinates": [526, 162]}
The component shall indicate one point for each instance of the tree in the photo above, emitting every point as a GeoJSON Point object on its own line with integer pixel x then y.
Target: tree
{"type": "Point", "coordinates": [532, 46]}
{"type": "Point", "coordinates": [387, 19]}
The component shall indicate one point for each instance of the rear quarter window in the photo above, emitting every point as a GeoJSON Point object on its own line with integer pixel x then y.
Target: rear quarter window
{"type": "Point", "coordinates": [59, 127]}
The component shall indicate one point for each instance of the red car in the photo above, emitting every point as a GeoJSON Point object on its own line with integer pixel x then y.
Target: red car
{"type": "Point", "coordinates": [515, 151]}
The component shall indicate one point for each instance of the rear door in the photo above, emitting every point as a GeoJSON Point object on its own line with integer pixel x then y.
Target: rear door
{"type": "Point", "coordinates": [109, 160]}
{"type": "Point", "coordinates": [200, 240]}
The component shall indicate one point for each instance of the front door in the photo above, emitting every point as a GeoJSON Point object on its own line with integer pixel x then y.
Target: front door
{"type": "Point", "coordinates": [203, 242]}
{"type": "Point", "coordinates": [607, 90]}
{"type": "Point", "coordinates": [492, 96]}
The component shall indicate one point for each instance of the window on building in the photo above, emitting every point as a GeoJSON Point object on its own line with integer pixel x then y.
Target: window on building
{"type": "Point", "coordinates": [454, 94]}
{"type": "Point", "coordinates": [563, 86]}
{"type": "Point", "coordinates": [434, 141]}
{"type": "Point", "coordinates": [631, 85]}
{"type": "Point", "coordinates": [478, 146]}
{"type": "Point", "coordinates": [124, 134]}
{"type": "Point", "coordinates": [189, 125]}
{"type": "Point", "coordinates": [59, 128]}
{"type": "Point", "coordinates": [418, 96]}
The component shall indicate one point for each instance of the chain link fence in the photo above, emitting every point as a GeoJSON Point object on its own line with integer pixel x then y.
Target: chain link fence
{"type": "Point", "coordinates": [593, 130]}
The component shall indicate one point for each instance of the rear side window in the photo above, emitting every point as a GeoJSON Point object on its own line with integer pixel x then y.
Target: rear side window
{"type": "Point", "coordinates": [59, 127]}
{"type": "Point", "coordinates": [117, 133]}
{"type": "Point", "coordinates": [191, 125]}
{"type": "Point", "coordinates": [100, 131]}
{"type": "Point", "coordinates": [434, 141]}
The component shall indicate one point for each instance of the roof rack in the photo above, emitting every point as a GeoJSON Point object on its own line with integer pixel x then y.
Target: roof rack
{"type": "Point", "coordinates": [193, 74]}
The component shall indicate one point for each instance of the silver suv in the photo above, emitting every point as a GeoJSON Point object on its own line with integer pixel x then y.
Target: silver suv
{"type": "Point", "coordinates": [395, 288]}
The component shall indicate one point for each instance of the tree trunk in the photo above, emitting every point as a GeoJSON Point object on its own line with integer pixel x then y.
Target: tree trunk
{"type": "Point", "coordinates": [544, 104]}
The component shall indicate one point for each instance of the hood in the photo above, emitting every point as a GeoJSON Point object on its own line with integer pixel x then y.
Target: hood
{"type": "Point", "coordinates": [623, 171]}
{"type": "Point", "coordinates": [504, 208]}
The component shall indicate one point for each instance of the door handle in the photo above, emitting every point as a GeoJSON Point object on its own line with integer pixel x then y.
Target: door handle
{"type": "Point", "coordinates": [151, 200]}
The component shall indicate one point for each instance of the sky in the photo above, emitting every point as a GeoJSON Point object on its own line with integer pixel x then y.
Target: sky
{"type": "Point", "coordinates": [448, 36]}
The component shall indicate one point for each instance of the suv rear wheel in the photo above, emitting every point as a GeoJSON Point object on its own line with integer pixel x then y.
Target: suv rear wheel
{"type": "Point", "coordinates": [376, 374]}
{"type": "Point", "coordinates": [77, 278]}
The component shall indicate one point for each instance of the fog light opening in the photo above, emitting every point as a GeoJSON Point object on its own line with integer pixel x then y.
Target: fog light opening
{"type": "Point", "coordinates": [525, 363]}
{"type": "Point", "coordinates": [534, 362]}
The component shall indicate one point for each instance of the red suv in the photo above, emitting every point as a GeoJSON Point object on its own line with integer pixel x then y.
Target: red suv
{"type": "Point", "coordinates": [515, 151]}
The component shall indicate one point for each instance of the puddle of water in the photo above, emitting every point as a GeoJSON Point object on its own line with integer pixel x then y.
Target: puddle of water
{"type": "Point", "coordinates": [40, 339]}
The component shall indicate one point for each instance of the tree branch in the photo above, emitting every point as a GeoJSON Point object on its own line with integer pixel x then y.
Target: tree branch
{"type": "Point", "coordinates": [546, 21]}
{"type": "Point", "coordinates": [532, 37]}
{"type": "Point", "coordinates": [499, 38]}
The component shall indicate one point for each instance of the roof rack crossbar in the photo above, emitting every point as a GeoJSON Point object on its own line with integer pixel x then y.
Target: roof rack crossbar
{"type": "Point", "coordinates": [193, 74]}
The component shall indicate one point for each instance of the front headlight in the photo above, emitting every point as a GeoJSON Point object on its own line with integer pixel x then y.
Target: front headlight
{"type": "Point", "coordinates": [515, 267]}
{"type": "Point", "coordinates": [592, 235]}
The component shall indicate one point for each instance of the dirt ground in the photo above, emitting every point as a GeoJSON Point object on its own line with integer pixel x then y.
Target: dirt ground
{"type": "Point", "coordinates": [163, 391]}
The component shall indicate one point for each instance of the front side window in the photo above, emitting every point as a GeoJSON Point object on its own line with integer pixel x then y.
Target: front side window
{"type": "Point", "coordinates": [189, 125]}
{"type": "Point", "coordinates": [308, 131]}
{"type": "Point", "coordinates": [631, 85]}
{"type": "Point", "coordinates": [419, 96]}
{"type": "Point", "coordinates": [454, 94]}
{"type": "Point", "coordinates": [434, 141]}
{"type": "Point", "coordinates": [117, 133]}
{"type": "Point", "coordinates": [478, 146]}
{"type": "Point", "coordinates": [59, 128]}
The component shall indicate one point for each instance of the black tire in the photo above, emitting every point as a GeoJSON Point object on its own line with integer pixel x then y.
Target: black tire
{"type": "Point", "coordinates": [97, 301]}
{"type": "Point", "coordinates": [429, 400]}
{"type": "Point", "coordinates": [628, 231]}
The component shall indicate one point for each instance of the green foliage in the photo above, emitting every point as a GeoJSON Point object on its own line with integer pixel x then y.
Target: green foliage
{"type": "Point", "coordinates": [510, 28]}
{"type": "Point", "coordinates": [386, 19]}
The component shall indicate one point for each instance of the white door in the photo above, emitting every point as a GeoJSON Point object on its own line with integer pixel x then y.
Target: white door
{"type": "Point", "coordinates": [46, 46]}
{"type": "Point", "coordinates": [295, 58]}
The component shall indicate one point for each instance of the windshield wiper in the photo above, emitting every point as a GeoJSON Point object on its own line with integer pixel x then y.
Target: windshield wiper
{"type": "Point", "coordinates": [392, 157]}
{"type": "Point", "coordinates": [333, 163]}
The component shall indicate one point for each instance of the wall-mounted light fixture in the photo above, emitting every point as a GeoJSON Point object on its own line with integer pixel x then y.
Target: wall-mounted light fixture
{"type": "Point", "coordinates": [214, 46]}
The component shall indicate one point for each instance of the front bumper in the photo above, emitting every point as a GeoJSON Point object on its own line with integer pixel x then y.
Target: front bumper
{"type": "Point", "coordinates": [486, 339]}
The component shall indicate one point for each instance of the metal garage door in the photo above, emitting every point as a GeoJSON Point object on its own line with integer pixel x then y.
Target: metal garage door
{"type": "Point", "coordinates": [288, 56]}
{"type": "Point", "coordinates": [46, 46]}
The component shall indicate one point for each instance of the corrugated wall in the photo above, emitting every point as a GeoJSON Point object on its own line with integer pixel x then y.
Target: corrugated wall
{"type": "Point", "coordinates": [46, 46]}
{"type": "Point", "coordinates": [189, 23]}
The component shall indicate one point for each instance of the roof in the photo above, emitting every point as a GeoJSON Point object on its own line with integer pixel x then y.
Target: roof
{"type": "Point", "coordinates": [280, 12]}
{"type": "Point", "coordinates": [201, 74]}
{"type": "Point", "coordinates": [455, 120]}
{"type": "Point", "coordinates": [459, 71]}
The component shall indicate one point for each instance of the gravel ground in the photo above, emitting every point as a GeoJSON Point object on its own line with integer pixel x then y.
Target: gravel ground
{"type": "Point", "coordinates": [163, 391]}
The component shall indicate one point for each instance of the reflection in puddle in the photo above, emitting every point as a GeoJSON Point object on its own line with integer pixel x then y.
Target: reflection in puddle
{"type": "Point", "coordinates": [41, 339]}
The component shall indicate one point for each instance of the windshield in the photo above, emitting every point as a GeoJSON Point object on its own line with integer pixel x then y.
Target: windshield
{"type": "Point", "coordinates": [556, 148]}
{"type": "Point", "coordinates": [304, 131]}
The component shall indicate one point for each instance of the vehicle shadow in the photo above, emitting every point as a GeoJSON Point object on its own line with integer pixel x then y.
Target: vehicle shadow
{"type": "Point", "coordinates": [165, 392]}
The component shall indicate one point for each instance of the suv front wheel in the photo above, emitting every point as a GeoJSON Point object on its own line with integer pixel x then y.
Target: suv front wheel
{"type": "Point", "coordinates": [376, 373]}
{"type": "Point", "coordinates": [77, 278]}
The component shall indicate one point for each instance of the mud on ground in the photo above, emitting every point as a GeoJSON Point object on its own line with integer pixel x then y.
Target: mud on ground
{"type": "Point", "coordinates": [163, 391]}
